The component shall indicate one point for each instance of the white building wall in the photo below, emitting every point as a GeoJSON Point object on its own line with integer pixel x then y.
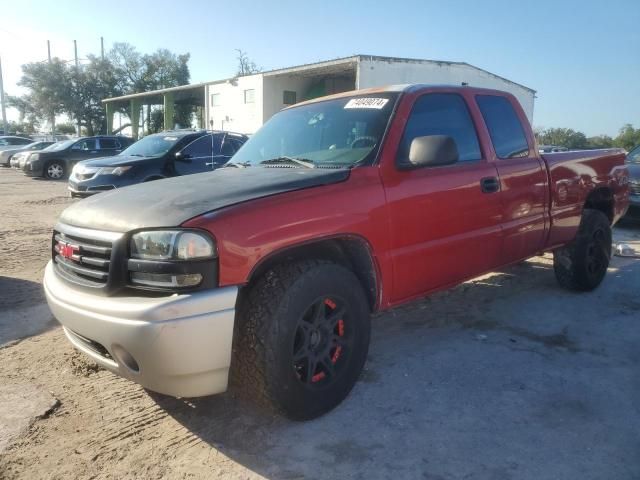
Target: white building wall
{"type": "Point", "coordinates": [273, 91]}
{"type": "Point", "coordinates": [376, 73]}
{"type": "Point", "coordinates": [233, 113]}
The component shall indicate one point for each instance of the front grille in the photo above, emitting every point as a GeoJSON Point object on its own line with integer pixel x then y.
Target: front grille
{"type": "Point", "coordinates": [634, 188]}
{"type": "Point", "coordinates": [82, 260]}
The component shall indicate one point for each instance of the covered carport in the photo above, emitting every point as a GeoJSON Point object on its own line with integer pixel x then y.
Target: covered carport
{"type": "Point", "coordinates": [133, 106]}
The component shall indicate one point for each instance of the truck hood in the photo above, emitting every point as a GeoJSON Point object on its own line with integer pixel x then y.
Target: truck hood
{"type": "Point", "coordinates": [173, 201]}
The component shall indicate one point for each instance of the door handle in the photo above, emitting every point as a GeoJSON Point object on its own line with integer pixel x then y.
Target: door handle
{"type": "Point", "coordinates": [490, 185]}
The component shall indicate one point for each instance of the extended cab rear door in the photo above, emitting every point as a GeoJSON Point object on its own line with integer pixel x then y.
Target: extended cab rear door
{"type": "Point", "coordinates": [445, 220]}
{"type": "Point", "coordinates": [524, 188]}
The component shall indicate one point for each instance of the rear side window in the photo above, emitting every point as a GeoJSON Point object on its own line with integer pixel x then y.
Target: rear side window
{"type": "Point", "coordinates": [199, 148]}
{"type": "Point", "coordinates": [108, 144]}
{"type": "Point", "coordinates": [88, 144]}
{"type": "Point", "coordinates": [230, 147]}
{"type": "Point", "coordinates": [441, 114]}
{"type": "Point", "coordinates": [505, 129]}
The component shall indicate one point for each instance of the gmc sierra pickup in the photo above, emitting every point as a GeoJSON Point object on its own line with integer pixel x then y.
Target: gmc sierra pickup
{"type": "Point", "coordinates": [266, 271]}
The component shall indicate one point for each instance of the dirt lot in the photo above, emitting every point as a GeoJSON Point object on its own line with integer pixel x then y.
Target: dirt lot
{"type": "Point", "coordinates": [506, 376]}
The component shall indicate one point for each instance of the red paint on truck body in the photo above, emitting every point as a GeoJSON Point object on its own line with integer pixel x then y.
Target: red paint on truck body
{"type": "Point", "coordinates": [428, 228]}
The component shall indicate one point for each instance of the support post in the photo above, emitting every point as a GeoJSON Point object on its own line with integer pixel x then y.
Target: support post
{"type": "Point", "coordinates": [109, 114]}
{"type": "Point", "coordinates": [5, 124]}
{"type": "Point", "coordinates": [168, 111]}
{"type": "Point", "coordinates": [135, 117]}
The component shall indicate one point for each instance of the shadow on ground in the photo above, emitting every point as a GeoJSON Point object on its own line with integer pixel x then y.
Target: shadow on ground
{"type": "Point", "coordinates": [23, 310]}
{"type": "Point", "coordinates": [506, 377]}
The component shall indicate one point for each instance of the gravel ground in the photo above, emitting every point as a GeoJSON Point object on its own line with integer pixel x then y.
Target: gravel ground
{"type": "Point", "coordinates": [504, 377]}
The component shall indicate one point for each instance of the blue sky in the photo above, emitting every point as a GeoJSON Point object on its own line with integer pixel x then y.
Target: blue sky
{"type": "Point", "coordinates": [583, 57]}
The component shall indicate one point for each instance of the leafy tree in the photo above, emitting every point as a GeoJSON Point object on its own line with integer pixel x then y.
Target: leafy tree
{"type": "Point", "coordinates": [600, 141]}
{"type": "Point", "coordinates": [66, 128]}
{"type": "Point", "coordinates": [57, 88]}
{"type": "Point", "coordinates": [246, 66]}
{"type": "Point", "coordinates": [564, 137]}
{"type": "Point", "coordinates": [628, 137]}
{"type": "Point", "coordinates": [50, 87]}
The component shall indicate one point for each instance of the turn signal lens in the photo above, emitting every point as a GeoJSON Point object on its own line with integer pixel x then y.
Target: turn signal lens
{"type": "Point", "coordinates": [165, 280]}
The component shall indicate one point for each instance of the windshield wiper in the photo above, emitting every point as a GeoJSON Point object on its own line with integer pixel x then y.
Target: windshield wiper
{"type": "Point", "coordinates": [284, 159]}
{"type": "Point", "coordinates": [136, 155]}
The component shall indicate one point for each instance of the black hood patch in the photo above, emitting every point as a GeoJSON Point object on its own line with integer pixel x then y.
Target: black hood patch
{"type": "Point", "coordinates": [173, 201]}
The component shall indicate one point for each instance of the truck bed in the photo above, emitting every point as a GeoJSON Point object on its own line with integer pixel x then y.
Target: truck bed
{"type": "Point", "coordinates": [576, 175]}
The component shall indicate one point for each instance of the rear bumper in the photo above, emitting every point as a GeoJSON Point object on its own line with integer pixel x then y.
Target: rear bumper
{"type": "Point", "coordinates": [178, 345]}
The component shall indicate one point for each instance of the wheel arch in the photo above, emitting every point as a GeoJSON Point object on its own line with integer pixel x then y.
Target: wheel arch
{"type": "Point", "coordinates": [601, 199]}
{"type": "Point", "coordinates": [351, 251]}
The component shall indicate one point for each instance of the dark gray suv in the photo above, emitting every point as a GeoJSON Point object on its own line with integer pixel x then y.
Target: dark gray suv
{"type": "Point", "coordinates": [57, 161]}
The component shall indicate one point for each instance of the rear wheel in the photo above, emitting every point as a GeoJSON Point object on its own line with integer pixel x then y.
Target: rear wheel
{"type": "Point", "coordinates": [302, 338]}
{"type": "Point", "coordinates": [582, 265]}
{"type": "Point", "coordinates": [54, 170]}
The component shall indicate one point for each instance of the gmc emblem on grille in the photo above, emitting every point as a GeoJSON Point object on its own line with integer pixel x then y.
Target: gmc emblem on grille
{"type": "Point", "coordinates": [67, 250]}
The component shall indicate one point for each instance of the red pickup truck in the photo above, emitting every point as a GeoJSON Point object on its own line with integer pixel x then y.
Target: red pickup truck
{"type": "Point", "coordinates": [267, 271]}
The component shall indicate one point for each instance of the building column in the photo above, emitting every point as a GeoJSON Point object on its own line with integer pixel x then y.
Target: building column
{"type": "Point", "coordinates": [109, 113]}
{"type": "Point", "coordinates": [168, 111]}
{"type": "Point", "coordinates": [135, 117]}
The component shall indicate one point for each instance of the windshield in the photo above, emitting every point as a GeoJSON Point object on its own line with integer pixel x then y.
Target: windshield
{"type": "Point", "coordinates": [634, 155]}
{"type": "Point", "coordinates": [331, 133]}
{"type": "Point", "coordinates": [152, 146]}
{"type": "Point", "coordinates": [59, 146]}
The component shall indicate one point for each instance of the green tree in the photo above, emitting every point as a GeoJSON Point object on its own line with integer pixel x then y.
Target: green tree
{"type": "Point", "coordinates": [66, 128]}
{"type": "Point", "coordinates": [58, 88]}
{"type": "Point", "coordinates": [628, 137]}
{"type": "Point", "coordinates": [600, 141]}
{"type": "Point", "coordinates": [564, 137]}
{"type": "Point", "coordinates": [49, 88]}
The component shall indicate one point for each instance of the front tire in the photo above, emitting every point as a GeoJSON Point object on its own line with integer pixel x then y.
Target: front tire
{"type": "Point", "coordinates": [54, 170]}
{"type": "Point", "coordinates": [582, 265]}
{"type": "Point", "coordinates": [301, 338]}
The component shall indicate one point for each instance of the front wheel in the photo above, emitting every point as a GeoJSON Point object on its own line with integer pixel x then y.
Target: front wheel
{"type": "Point", "coordinates": [302, 338]}
{"type": "Point", "coordinates": [54, 170]}
{"type": "Point", "coordinates": [582, 265]}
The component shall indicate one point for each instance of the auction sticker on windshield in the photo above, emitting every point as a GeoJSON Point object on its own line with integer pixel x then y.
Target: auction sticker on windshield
{"type": "Point", "coordinates": [377, 103]}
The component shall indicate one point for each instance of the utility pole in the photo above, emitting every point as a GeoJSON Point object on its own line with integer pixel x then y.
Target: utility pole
{"type": "Point", "coordinates": [5, 125]}
{"type": "Point", "coordinates": [53, 116]}
{"type": "Point", "coordinates": [102, 47]}
{"type": "Point", "coordinates": [75, 53]}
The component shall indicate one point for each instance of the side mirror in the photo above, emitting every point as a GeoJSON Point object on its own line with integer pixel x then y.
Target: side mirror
{"type": "Point", "coordinates": [183, 157]}
{"type": "Point", "coordinates": [432, 151]}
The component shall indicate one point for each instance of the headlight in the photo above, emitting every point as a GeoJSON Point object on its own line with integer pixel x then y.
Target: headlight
{"type": "Point", "coordinates": [169, 259]}
{"type": "Point", "coordinates": [113, 170]}
{"type": "Point", "coordinates": [34, 156]}
{"type": "Point", "coordinates": [172, 245]}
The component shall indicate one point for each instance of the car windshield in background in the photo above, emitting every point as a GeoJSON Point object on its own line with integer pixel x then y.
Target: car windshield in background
{"type": "Point", "coordinates": [59, 146]}
{"type": "Point", "coordinates": [152, 146]}
{"type": "Point", "coordinates": [332, 133]}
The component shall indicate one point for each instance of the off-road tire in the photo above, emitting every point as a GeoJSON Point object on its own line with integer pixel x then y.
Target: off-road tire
{"type": "Point", "coordinates": [268, 325]}
{"type": "Point", "coordinates": [582, 265]}
{"type": "Point", "coordinates": [46, 173]}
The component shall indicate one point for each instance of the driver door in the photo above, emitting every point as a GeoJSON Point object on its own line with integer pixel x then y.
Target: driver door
{"type": "Point", "coordinates": [196, 157]}
{"type": "Point", "coordinates": [444, 220]}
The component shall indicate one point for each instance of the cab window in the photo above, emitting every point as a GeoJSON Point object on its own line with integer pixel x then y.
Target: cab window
{"type": "Point", "coordinates": [505, 129]}
{"type": "Point", "coordinates": [441, 114]}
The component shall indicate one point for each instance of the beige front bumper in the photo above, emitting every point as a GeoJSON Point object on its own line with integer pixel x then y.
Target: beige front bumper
{"type": "Point", "coordinates": [179, 345]}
